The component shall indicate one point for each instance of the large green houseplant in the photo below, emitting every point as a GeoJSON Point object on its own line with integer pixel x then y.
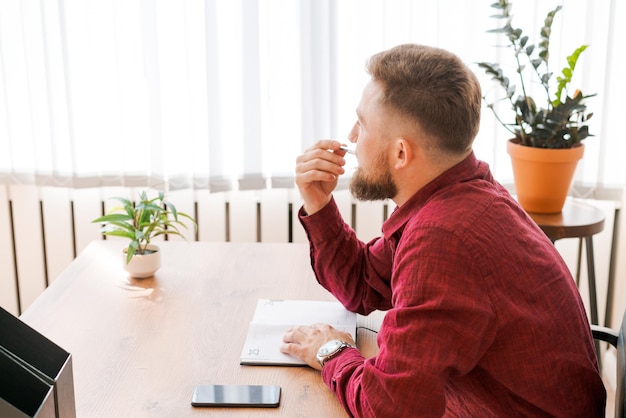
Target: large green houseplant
{"type": "Point", "coordinates": [140, 222]}
{"type": "Point", "coordinates": [552, 124]}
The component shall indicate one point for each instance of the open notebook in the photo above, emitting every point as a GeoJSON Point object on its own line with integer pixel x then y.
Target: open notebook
{"type": "Point", "coordinates": [271, 320]}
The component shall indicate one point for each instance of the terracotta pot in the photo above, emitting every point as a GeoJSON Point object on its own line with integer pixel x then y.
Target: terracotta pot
{"type": "Point", "coordinates": [543, 176]}
{"type": "Point", "coordinates": [143, 265]}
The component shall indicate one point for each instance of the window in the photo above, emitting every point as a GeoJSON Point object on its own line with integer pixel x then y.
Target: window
{"type": "Point", "coordinates": [225, 94]}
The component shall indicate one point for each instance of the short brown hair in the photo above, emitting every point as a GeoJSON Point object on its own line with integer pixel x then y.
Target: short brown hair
{"type": "Point", "coordinates": [433, 87]}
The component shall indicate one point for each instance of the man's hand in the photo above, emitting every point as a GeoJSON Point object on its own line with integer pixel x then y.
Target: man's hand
{"type": "Point", "coordinates": [304, 341]}
{"type": "Point", "coordinates": [317, 172]}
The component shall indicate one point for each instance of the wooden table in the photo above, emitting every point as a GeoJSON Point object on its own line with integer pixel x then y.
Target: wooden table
{"type": "Point", "coordinates": [140, 346]}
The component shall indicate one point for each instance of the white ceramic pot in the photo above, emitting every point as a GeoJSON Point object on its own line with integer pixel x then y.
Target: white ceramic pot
{"type": "Point", "coordinates": [143, 265]}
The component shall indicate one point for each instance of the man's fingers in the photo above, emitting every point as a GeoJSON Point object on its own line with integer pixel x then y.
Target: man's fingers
{"type": "Point", "coordinates": [325, 144]}
{"type": "Point", "coordinates": [319, 157]}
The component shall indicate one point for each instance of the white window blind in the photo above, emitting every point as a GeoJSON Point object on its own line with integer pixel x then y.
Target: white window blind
{"type": "Point", "coordinates": [225, 94]}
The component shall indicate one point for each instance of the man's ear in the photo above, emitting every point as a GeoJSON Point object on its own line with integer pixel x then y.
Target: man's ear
{"type": "Point", "coordinates": [402, 153]}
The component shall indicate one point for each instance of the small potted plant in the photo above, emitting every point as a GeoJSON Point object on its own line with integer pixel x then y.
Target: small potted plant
{"type": "Point", "coordinates": [552, 124]}
{"type": "Point", "coordinates": [140, 223]}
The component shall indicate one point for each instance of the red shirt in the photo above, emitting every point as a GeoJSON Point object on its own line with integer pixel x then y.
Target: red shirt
{"type": "Point", "coordinates": [484, 318]}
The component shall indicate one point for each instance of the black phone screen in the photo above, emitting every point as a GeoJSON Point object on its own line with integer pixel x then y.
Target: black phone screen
{"type": "Point", "coordinates": [236, 395]}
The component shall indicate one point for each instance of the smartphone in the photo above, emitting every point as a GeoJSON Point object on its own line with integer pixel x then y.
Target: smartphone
{"type": "Point", "coordinates": [252, 396]}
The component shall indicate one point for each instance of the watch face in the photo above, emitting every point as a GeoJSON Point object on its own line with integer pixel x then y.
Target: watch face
{"type": "Point", "coordinates": [329, 347]}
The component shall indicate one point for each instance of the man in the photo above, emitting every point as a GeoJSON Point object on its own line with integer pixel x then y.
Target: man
{"type": "Point", "coordinates": [484, 318]}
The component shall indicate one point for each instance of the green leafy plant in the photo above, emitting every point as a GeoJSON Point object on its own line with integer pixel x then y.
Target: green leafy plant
{"type": "Point", "coordinates": [143, 221]}
{"type": "Point", "coordinates": [561, 121]}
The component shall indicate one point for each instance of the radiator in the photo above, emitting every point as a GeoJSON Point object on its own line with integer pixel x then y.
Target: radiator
{"type": "Point", "coordinates": [42, 229]}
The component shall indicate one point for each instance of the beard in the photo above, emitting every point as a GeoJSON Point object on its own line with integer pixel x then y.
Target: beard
{"type": "Point", "coordinates": [376, 185]}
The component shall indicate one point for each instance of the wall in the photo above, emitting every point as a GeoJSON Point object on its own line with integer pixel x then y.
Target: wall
{"type": "Point", "coordinates": [42, 229]}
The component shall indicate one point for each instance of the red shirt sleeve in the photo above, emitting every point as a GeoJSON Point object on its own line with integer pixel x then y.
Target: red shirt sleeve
{"type": "Point", "coordinates": [357, 273]}
{"type": "Point", "coordinates": [441, 324]}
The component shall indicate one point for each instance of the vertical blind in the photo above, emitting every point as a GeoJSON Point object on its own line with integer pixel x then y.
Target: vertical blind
{"type": "Point", "coordinates": [224, 94]}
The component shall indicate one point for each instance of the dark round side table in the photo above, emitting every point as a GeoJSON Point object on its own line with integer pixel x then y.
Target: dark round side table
{"type": "Point", "coordinates": [577, 220]}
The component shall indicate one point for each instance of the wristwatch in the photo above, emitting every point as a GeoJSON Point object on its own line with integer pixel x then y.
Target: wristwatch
{"type": "Point", "coordinates": [331, 349]}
